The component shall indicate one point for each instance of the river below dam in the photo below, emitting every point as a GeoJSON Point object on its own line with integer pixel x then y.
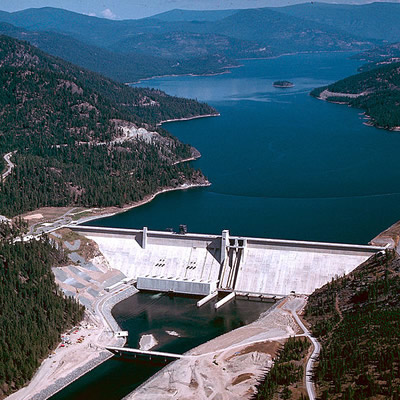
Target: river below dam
{"type": "Point", "coordinates": [282, 164]}
{"type": "Point", "coordinates": [177, 325]}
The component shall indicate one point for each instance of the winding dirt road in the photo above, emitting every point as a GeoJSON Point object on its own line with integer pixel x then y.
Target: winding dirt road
{"type": "Point", "coordinates": [294, 307]}
{"type": "Point", "coordinates": [10, 164]}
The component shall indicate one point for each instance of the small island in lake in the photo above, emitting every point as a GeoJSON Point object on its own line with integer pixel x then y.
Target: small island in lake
{"type": "Point", "coordinates": [283, 84]}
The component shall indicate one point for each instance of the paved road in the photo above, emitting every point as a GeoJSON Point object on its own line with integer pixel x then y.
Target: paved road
{"type": "Point", "coordinates": [294, 307]}
{"type": "Point", "coordinates": [10, 165]}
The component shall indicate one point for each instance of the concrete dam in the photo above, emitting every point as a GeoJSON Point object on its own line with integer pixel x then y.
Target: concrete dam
{"type": "Point", "coordinates": [201, 264]}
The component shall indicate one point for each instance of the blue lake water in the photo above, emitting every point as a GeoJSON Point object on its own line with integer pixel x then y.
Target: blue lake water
{"type": "Point", "coordinates": [282, 164]}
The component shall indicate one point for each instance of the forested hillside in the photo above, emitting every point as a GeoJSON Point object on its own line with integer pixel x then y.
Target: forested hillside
{"type": "Point", "coordinates": [285, 33]}
{"type": "Point", "coordinates": [262, 26]}
{"type": "Point", "coordinates": [192, 46]}
{"type": "Point", "coordinates": [357, 320]}
{"type": "Point", "coordinates": [77, 135]}
{"type": "Point", "coordinates": [285, 378]}
{"type": "Point", "coordinates": [132, 64]}
{"type": "Point", "coordinates": [377, 20]}
{"type": "Point", "coordinates": [33, 310]}
{"type": "Point", "coordinates": [377, 92]}
{"type": "Point", "coordinates": [379, 56]}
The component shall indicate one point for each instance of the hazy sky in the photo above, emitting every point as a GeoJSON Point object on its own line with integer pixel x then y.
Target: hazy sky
{"type": "Point", "coordinates": [124, 9]}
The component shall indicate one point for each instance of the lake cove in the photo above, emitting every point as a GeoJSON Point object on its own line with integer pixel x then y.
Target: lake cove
{"type": "Point", "coordinates": [282, 164]}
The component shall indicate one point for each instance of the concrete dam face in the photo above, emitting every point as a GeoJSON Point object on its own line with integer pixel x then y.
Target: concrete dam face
{"type": "Point", "coordinates": [200, 264]}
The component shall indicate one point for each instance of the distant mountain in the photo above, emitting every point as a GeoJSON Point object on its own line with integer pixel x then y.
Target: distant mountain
{"type": "Point", "coordinates": [284, 33]}
{"type": "Point", "coordinates": [130, 67]}
{"type": "Point", "coordinates": [265, 27]}
{"type": "Point", "coordinates": [81, 138]}
{"type": "Point", "coordinates": [193, 15]}
{"type": "Point", "coordinates": [79, 26]}
{"type": "Point", "coordinates": [201, 42]}
{"type": "Point", "coordinates": [192, 45]}
{"type": "Point", "coordinates": [378, 20]}
{"type": "Point", "coordinates": [376, 91]}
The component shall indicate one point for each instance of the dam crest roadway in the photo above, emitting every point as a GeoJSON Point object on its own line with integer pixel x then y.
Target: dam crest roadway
{"type": "Point", "coordinates": [202, 265]}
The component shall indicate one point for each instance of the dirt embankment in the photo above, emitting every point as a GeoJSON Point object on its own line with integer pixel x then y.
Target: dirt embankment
{"type": "Point", "coordinates": [389, 237]}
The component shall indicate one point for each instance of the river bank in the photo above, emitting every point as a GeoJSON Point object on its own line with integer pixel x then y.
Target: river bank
{"type": "Point", "coordinates": [229, 366]}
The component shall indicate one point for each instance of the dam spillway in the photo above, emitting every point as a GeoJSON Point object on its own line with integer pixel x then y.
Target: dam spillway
{"type": "Point", "coordinates": [200, 264]}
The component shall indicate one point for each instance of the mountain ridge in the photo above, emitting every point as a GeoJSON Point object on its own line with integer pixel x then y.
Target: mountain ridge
{"type": "Point", "coordinates": [127, 67]}
{"type": "Point", "coordinates": [276, 33]}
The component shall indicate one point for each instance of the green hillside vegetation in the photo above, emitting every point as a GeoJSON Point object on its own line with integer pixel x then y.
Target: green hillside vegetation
{"type": "Point", "coordinates": [247, 31]}
{"type": "Point", "coordinates": [177, 42]}
{"type": "Point", "coordinates": [33, 310]}
{"type": "Point", "coordinates": [263, 26]}
{"type": "Point", "coordinates": [381, 94]}
{"type": "Point", "coordinates": [378, 20]}
{"type": "Point", "coordinates": [287, 373]}
{"type": "Point", "coordinates": [357, 320]}
{"type": "Point", "coordinates": [194, 15]}
{"type": "Point", "coordinates": [284, 33]}
{"type": "Point", "coordinates": [379, 56]}
{"type": "Point", "coordinates": [192, 45]}
{"type": "Point", "coordinates": [142, 62]}
{"type": "Point", "coordinates": [64, 121]}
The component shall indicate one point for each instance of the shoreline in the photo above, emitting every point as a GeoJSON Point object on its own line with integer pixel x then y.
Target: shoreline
{"type": "Point", "coordinates": [188, 74]}
{"type": "Point", "coordinates": [368, 120]}
{"type": "Point", "coordinates": [229, 67]}
{"type": "Point", "coordinates": [151, 197]}
{"type": "Point", "coordinates": [187, 119]}
{"type": "Point", "coordinates": [298, 52]}
{"type": "Point", "coordinates": [205, 344]}
{"type": "Point", "coordinates": [145, 200]}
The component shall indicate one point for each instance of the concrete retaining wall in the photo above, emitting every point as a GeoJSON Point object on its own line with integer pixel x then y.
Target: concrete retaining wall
{"type": "Point", "coordinates": [176, 286]}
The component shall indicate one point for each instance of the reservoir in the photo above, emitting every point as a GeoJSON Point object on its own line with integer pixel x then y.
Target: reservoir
{"type": "Point", "coordinates": [282, 164]}
{"type": "Point", "coordinates": [177, 325]}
